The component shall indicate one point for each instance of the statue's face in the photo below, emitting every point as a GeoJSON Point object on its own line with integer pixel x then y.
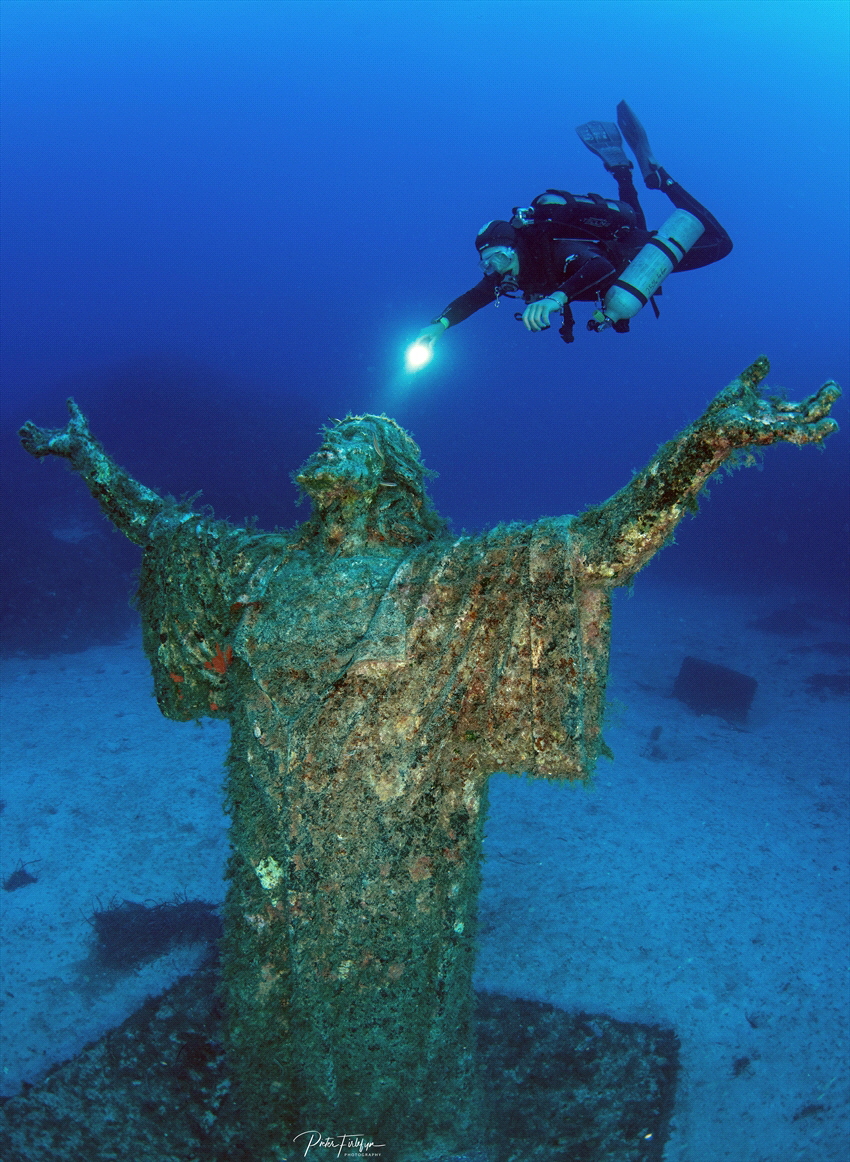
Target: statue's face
{"type": "Point", "coordinates": [347, 464]}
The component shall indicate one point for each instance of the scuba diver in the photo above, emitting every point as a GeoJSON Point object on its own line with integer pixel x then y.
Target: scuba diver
{"type": "Point", "coordinates": [564, 248]}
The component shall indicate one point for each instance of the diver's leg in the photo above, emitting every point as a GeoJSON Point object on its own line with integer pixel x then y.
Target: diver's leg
{"type": "Point", "coordinates": [627, 193]}
{"type": "Point", "coordinates": [715, 242]}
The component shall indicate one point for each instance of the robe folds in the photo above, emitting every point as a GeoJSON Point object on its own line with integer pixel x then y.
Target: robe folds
{"type": "Point", "coordinates": [487, 651]}
{"type": "Point", "coordinates": [370, 698]}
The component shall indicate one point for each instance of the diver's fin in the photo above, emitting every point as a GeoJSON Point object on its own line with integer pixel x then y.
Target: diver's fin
{"type": "Point", "coordinates": [603, 138]}
{"type": "Point", "coordinates": [635, 134]}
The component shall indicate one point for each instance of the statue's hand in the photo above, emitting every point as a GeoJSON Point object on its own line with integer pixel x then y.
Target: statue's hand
{"type": "Point", "coordinates": [65, 441]}
{"type": "Point", "coordinates": [741, 417]}
{"type": "Point", "coordinates": [130, 506]}
{"type": "Point", "coordinates": [619, 537]}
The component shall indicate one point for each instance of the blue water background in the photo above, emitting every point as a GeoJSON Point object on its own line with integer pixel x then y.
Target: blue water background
{"type": "Point", "coordinates": [223, 221]}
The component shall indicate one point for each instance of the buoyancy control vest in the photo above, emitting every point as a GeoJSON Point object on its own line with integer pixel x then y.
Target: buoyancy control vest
{"type": "Point", "coordinates": [609, 226]}
{"type": "Point", "coordinates": [587, 218]}
{"type": "Point", "coordinates": [592, 224]}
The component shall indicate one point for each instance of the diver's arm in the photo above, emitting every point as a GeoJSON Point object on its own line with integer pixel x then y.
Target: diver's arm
{"type": "Point", "coordinates": [585, 269]}
{"type": "Point", "coordinates": [616, 539]}
{"type": "Point", "coordinates": [432, 332]}
{"type": "Point", "coordinates": [130, 506]}
{"type": "Point", "coordinates": [458, 310]}
{"type": "Point", "coordinates": [536, 314]}
{"type": "Point", "coordinates": [591, 274]}
{"type": "Point", "coordinates": [470, 302]}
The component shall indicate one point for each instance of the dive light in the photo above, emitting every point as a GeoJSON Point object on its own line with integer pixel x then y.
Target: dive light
{"type": "Point", "coordinates": [417, 355]}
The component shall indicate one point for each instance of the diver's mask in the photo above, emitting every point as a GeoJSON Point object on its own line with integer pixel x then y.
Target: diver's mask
{"type": "Point", "coordinates": [498, 260]}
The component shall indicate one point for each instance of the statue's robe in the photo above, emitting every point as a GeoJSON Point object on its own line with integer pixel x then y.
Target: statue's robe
{"type": "Point", "coordinates": [370, 698]}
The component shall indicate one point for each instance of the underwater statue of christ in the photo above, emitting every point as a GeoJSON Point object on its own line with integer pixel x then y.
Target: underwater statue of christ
{"type": "Point", "coordinates": [376, 671]}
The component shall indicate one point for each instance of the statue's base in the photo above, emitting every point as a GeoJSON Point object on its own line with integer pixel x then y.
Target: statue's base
{"type": "Point", "coordinates": [559, 1087]}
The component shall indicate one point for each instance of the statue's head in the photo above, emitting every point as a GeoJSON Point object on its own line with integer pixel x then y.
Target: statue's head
{"type": "Point", "coordinates": [368, 478]}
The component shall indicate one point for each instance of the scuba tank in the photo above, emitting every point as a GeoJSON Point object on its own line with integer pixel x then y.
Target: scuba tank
{"type": "Point", "coordinates": [647, 270]}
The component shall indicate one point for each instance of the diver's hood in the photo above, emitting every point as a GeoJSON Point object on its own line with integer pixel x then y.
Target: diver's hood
{"type": "Point", "coordinates": [496, 233]}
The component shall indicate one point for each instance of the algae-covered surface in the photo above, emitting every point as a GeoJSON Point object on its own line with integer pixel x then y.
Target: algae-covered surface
{"type": "Point", "coordinates": [157, 1089]}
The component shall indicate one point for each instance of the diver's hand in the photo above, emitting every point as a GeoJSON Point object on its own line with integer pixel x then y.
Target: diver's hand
{"type": "Point", "coordinates": [430, 334]}
{"type": "Point", "coordinates": [536, 315]}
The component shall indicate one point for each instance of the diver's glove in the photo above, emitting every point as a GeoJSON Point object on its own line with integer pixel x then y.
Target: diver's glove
{"type": "Point", "coordinates": [536, 315]}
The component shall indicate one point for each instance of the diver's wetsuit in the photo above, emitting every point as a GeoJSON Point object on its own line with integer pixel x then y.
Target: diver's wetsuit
{"type": "Point", "coordinates": [711, 246]}
{"type": "Point", "coordinates": [583, 267]}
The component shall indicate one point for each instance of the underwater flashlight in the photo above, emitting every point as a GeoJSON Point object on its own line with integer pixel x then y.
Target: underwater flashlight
{"type": "Point", "coordinates": [417, 355]}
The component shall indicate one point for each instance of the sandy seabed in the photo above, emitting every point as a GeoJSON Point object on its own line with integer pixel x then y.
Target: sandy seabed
{"type": "Point", "coordinates": [702, 884]}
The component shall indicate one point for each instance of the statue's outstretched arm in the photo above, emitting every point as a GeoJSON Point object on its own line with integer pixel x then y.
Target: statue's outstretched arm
{"type": "Point", "coordinates": [618, 538]}
{"type": "Point", "coordinates": [129, 505]}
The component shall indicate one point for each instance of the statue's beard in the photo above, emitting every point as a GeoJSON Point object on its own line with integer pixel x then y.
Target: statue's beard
{"type": "Point", "coordinates": [352, 498]}
{"type": "Point", "coordinates": [327, 482]}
